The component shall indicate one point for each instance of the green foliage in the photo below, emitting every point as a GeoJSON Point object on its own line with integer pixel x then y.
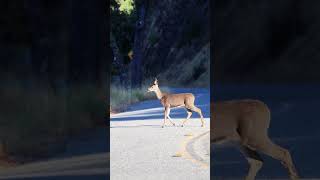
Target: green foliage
{"type": "Point", "coordinates": [126, 6]}
{"type": "Point", "coordinates": [123, 18]}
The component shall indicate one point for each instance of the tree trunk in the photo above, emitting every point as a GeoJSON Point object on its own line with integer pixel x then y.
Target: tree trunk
{"type": "Point", "coordinates": [136, 65]}
{"type": "Point", "coordinates": [118, 62]}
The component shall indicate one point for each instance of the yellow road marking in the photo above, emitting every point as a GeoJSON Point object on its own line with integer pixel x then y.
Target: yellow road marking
{"type": "Point", "coordinates": [187, 155]}
{"type": "Point", "coordinates": [178, 154]}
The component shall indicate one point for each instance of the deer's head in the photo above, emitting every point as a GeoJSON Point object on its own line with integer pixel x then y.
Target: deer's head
{"type": "Point", "coordinates": [154, 86]}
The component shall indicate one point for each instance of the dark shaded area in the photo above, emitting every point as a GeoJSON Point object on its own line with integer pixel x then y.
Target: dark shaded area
{"type": "Point", "coordinates": [266, 41]}
{"type": "Point", "coordinates": [55, 41]}
{"type": "Point", "coordinates": [174, 32]}
{"type": "Point", "coordinates": [170, 40]}
{"type": "Point", "coordinates": [54, 73]}
{"type": "Point", "coordinates": [268, 50]}
{"type": "Point", "coordinates": [93, 141]}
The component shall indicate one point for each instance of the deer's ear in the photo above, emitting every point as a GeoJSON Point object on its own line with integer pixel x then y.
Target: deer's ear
{"type": "Point", "coordinates": [156, 81]}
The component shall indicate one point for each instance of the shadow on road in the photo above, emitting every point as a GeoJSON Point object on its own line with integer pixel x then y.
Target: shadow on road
{"type": "Point", "coordinates": [135, 126]}
{"type": "Point", "coordinates": [97, 177]}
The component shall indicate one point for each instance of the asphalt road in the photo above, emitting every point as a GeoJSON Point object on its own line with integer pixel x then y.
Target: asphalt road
{"type": "Point", "coordinates": [86, 158]}
{"type": "Point", "coordinates": [141, 150]}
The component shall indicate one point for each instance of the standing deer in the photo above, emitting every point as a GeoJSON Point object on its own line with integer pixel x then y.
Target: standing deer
{"type": "Point", "coordinates": [246, 123]}
{"type": "Point", "coordinates": [175, 100]}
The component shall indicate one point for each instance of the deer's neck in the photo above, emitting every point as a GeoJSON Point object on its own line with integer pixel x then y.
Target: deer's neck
{"type": "Point", "coordinates": [158, 94]}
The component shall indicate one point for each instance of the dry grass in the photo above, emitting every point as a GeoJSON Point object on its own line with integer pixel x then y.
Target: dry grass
{"type": "Point", "coordinates": [121, 97]}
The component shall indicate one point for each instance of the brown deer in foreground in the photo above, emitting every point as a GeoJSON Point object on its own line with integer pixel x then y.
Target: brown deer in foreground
{"type": "Point", "coordinates": [175, 100]}
{"type": "Point", "coordinates": [246, 123]}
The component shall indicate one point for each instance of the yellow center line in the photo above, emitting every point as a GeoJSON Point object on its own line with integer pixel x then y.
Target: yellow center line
{"type": "Point", "coordinates": [187, 155]}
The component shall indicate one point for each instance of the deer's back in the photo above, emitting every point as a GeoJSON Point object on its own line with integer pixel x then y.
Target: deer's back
{"type": "Point", "coordinates": [177, 99]}
{"type": "Point", "coordinates": [242, 116]}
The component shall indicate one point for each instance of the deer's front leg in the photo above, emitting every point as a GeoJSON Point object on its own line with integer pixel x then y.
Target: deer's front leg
{"type": "Point", "coordinates": [169, 118]}
{"type": "Point", "coordinates": [165, 116]}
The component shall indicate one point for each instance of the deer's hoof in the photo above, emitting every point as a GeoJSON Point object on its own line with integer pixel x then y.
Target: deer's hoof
{"type": "Point", "coordinates": [162, 126]}
{"type": "Point", "coordinates": [174, 124]}
{"type": "Point", "coordinates": [202, 125]}
{"type": "Point", "coordinates": [294, 177]}
{"type": "Point", "coordinates": [182, 125]}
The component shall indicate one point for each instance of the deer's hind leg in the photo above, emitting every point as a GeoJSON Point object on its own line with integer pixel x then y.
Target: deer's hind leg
{"type": "Point", "coordinates": [281, 154]}
{"type": "Point", "coordinates": [197, 110]}
{"type": "Point", "coordinates": [254, 160]}
{"type": "Point", "coordinates": [188, 117]}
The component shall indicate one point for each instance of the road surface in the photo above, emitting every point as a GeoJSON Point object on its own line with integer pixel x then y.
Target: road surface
{"type": "Point", "coordinates": [141, 150]}
{"type": "Point", "coordinates": [86, 158]}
